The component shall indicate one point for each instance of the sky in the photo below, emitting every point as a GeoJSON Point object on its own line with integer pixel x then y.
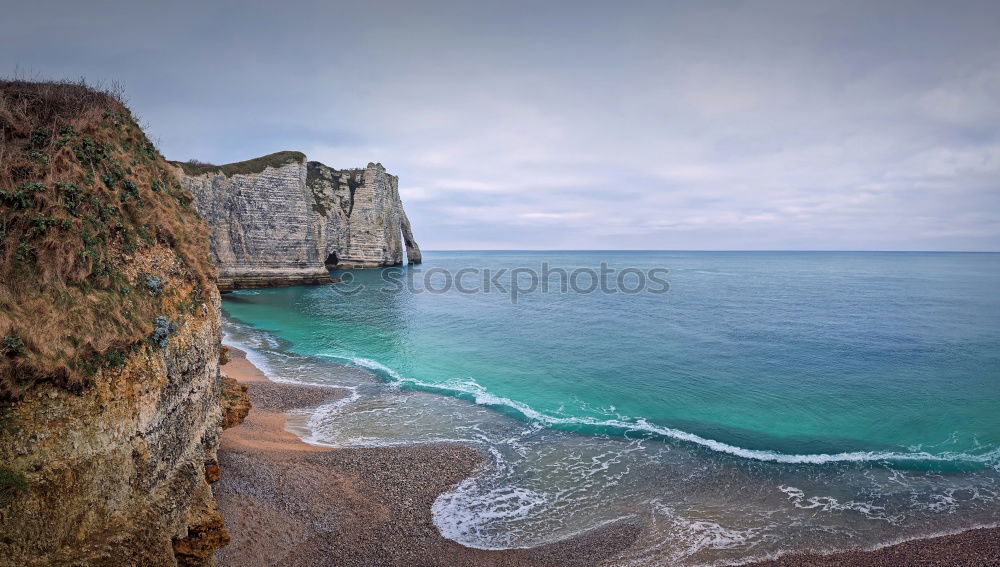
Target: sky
{"type": "Point", "coordinates": [578, 125]}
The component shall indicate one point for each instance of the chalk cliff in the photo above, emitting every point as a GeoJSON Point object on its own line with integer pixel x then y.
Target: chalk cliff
{"type": "Point", "coordinates": [282, 220]}
{"type": "Point", "coordinates": [109, 342]}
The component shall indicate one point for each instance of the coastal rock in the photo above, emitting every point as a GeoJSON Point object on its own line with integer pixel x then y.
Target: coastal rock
{"type": "Point", "coordinates": [109, 342]}
{"type": "Point", "coordinates": [116, 473]}
{"type": "Point", "coordinates": [198, 548]}
{"type": "Point", "coordinates": [282, 220]}
{"type": "Point", "coordinates": [235, 402]}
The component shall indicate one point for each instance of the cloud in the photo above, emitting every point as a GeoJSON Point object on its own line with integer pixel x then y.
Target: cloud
{"type": "Point", "coordinates": [585, 125]}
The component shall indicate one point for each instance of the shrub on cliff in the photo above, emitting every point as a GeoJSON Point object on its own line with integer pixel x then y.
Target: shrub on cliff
{"type": "Point", "coordinates": [82, 192]}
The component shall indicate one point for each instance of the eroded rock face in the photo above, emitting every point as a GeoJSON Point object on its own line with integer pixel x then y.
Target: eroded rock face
{"type": "Point", "coordinates": [117, 473]}
{"type": "Point", "coordinates": [235, 404]}
{"type": "Point", "coordinates": [109, 341]}
{"type": "Point", "coordinates": [263, 229]}
{"type": "Point", "coordinates": [291, 221]}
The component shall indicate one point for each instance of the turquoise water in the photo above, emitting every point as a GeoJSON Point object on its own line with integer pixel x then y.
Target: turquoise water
{"type": "Point", "coordinates": [850, 396]}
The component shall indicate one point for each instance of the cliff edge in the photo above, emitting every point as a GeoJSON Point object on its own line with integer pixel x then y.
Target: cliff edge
{"type": "Point", "coordinates": [282, 220]}
{"type": "Point", "coordinates": [109, 341]}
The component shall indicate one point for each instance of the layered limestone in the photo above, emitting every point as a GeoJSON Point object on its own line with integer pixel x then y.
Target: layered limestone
{"type": "Point", "coordinates": [263, 229]}
{"type": "Point", "coordinates": [361, 216]}
{"type": "Point", "coordinates": [117, 473]}
{"type": "Point", "coordinates": [280, 220]}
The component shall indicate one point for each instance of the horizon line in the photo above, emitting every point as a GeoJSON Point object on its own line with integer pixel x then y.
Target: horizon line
{"type": "Point", "coordinates": [705, 250]}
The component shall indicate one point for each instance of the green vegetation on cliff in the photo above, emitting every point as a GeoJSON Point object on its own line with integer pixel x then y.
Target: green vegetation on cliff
{"type": "Point", "coordinates": [249, 166]}
{"type": "Point", "coordinates": [83, 192]}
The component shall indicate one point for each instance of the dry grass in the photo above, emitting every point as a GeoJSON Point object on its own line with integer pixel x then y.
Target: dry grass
{"type": "Point", "coordinates": [256, 165]}
{"type": "Point", "coordinates": [83, 193]}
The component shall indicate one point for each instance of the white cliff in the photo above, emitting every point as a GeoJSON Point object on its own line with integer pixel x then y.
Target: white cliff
{"type": "Point", "coordinates": [279, 220]}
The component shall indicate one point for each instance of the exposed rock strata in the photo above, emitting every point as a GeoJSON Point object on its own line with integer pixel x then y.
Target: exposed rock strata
{"type": "Point", "coordinates": [362, 217]}
{"type": "Point", "coordinates": [209, 534]}
{"type": "Point", "coordinates": [117, 474]}
{"type": "Point", "coordinates": [280, 220]}
{"type": "Point", "coordinates": [109, 342]}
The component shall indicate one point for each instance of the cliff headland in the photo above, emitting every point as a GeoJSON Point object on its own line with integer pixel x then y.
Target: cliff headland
{"type": "Point", "coordinates": [282, 220]}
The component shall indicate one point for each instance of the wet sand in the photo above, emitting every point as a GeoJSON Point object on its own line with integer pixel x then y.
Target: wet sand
{"type": "Point", "coordinates": [974, 548]}
{"type": "Point", "coordinates": [286, 502]}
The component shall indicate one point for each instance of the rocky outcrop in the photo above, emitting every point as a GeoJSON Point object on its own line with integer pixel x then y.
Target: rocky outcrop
{"type": "Point", "coordinates": [235, 402]}
{"type": "Point", "coordinates": [263, 229]}
{"type": "Point", "coordinates": [413, 255]}
{"type": "Point", "coordinates": [361, 216]}
{"type": "Point", "coordinates": [117, 474]}
{"type": "Point", "coordinates": [281, 220]}
{"type": "Point", "coordinates": [109, 342]}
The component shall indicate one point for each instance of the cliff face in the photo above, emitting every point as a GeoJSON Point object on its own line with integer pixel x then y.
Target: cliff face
{"type": "Point", "coordinates": [361, 216]}
{"type": "Point", "coordinates": [263, 229]}
{"type": "Point", "coordinates": [109, 341]}
{"type": "Point", "coordinates": [280, 220]}
{"type": "Point", "coordinates": [116, 474]}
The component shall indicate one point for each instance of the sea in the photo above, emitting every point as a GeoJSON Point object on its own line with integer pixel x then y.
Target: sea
{"type": "Point", "coordinates": [736, 405]}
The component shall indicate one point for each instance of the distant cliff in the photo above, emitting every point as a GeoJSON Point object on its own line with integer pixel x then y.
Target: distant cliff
{"type": "Point", "coordinates": [110, 387]}
{"type": "Point", "coordinates": [280, 220]}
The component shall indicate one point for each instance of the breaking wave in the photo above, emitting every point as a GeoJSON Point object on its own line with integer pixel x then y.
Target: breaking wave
{"type": "Point", "coordinates": [471, 390]}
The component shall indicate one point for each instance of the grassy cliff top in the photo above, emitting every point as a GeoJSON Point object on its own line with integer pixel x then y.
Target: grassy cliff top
{"type": "Point", "coordinates": [256, 165]}
{"type": "Point", "coordinates": [86, 201]}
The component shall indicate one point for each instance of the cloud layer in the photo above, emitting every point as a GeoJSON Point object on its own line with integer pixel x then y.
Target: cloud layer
{"type": "Point", "coordinates": [688, 125]}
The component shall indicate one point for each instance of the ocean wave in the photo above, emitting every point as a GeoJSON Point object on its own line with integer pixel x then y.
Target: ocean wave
{"type": "Point", "coordinates": [369, 364]}
{"type": "Point", "coordinates": [325, 412]}
{"type": "Point", "coordinates": [675, 539]}
{"type": "Point", "coordinates": [470, 389]}
{"type": "Point", "coordinates": [492, 510]}
{"type": "Point", "coordinates": [251, 347]}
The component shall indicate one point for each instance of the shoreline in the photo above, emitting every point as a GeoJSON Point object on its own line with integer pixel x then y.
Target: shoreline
{"type": "Point", "coordinates": [286, 502]}
{"type": "Point", "coordinates": [274, 483]}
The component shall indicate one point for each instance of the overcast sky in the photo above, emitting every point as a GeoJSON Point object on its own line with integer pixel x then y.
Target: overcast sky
{"type": "Point", "coordinates": [650, 125]}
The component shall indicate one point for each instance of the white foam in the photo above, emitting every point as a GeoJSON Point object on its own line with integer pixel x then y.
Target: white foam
{"type": "Point", "coordinates": [945, 502]}
{"type": "Point", "coordinates": [704, 534]}
{"type": "Point", "coordinates": [679, 538]}
{"type": "Point", "coordinates": [326, 412]}
{"type": "Point", "coordinates": [493, 515]}
{"type": "Point", "coordinates": [830, 504]}
{"type": "Point", "coordinates": [483, 397]}
{"type": "Point", "coordinates": [319, 414]}
{"type": "Point", "coordinates": [772, 556]}
{"type": "Point", "coordinates": [375, 365]}
{"type": "Point", "coordinates": [252, 355]}
{"type": "Point", "coordinates": [463, 513]}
